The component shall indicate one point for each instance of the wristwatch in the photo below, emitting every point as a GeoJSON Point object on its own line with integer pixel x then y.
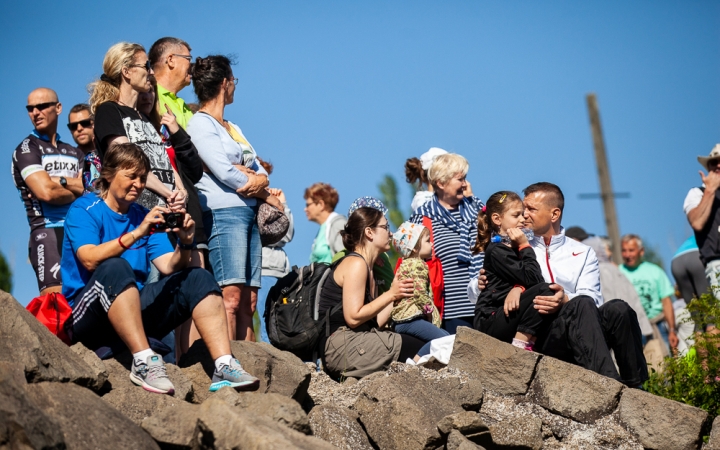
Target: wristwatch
{"type": "Point", "coordinates": [186, 246]}
{"type": "Point", "coordinates": [63, 182]}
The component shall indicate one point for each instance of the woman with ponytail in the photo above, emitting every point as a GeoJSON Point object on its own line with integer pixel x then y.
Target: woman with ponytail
{"type": "Point", "coordinates": [113, 100]}
{"type": "Point", "coordinates": [509, 262]}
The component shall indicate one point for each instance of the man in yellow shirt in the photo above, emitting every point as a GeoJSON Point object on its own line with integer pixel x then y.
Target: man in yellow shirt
{"type": "Point", "coordinates": [172, 63]}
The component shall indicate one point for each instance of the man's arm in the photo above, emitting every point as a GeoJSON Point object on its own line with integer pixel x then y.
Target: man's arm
{"type": "Point", "coordinates": [589, 280]}
{"type": "Point", "coordinates": [669, 313]}
{"type": "Point", "coordinates": [699, 215]}
{"type": "Point", "coordinates": [45, 189]}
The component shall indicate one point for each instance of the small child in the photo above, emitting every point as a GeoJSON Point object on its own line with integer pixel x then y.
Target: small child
{"type": "Point", "coordinates": [416, 316]}
{"type": "Point", "coordinates": [507, 265]}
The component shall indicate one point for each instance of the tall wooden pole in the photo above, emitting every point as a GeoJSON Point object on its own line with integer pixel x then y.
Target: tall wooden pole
{"type": "Point", "coordinates": [606, 191]}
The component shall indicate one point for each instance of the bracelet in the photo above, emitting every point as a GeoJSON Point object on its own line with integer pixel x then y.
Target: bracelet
{"type": "Point", "coordinates": [524, 246]}
{"type": "Point", "coordinates": [130, 248]}
{"type": "Point", "coordinates": [522, 288]}
{"type": "Point", "coordinates": [182, 246]}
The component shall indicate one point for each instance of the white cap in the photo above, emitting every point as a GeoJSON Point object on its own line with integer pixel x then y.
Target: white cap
{"type": "Point", "coordinates": [427, 158]}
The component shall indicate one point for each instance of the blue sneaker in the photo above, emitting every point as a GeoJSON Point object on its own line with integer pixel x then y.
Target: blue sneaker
{"type": "Point", "coordinates": [233, 375]}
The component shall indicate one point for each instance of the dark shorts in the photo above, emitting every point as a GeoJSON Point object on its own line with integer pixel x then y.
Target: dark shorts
{"type": "Point", "coordinates": [165, 304]}
{"type": "Point", "coordinates": [45, 250]}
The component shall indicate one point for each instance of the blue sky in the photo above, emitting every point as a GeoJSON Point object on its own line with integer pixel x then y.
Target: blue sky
{"type": "Point", "coordinates": [345, 92]}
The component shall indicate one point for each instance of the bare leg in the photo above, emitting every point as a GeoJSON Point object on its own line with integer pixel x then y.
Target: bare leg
{"type": "Point", "coordinates": [231, 299]}
{"type": "Point", "coordinates": [525, 337]}
{"type": "Point", "coordinates": [125, 317]}
{"type": "Point", "coordinates": [185, 336]}
{"type": "Point", "coordinates": [211, 320]}
{"type": "Point", "coordinates": [51, 289]}
{"type": "Point", "coordinates": [248, 303]}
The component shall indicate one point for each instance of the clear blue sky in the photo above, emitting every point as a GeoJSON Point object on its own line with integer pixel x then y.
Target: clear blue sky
{"type": "Point", "coordinates": [345, 92]}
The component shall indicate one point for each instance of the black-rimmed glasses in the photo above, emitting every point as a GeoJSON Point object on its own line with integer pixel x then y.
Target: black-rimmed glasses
{"type": "Point", "coordinates": [40, 106]}
{"type": "Point", "coordinates": [87, 123]}
{"type": "Point", "coordinates": [188, 57]}
{"type": "Point", "coordinates": [145, 66]}
{"type": "Point", "coordinates": [386, 227]}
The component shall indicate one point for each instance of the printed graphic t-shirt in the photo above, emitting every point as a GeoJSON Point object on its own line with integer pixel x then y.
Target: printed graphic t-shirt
{"type": "Point", "coordinates": [34, 154]}
{"type": "Point", "coordinates": [112, 119]}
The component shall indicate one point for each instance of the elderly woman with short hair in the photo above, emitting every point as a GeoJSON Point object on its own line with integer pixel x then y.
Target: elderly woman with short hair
{"type": "Point", "coordinates": [452, 218]}
{"type": "Point", "coordinates": [320, 202]}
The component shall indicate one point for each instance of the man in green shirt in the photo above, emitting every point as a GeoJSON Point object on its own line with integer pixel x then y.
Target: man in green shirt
{"type": "Point", "coordinates": [172, 63]}
{"type": "Point", "coordinates": [651, 283]}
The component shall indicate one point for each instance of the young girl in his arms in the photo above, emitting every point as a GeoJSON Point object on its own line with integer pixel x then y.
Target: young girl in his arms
{"type": "Point", "coordinates": [416, 316]}
{"type": "Point", "coordinates": [509, 265]}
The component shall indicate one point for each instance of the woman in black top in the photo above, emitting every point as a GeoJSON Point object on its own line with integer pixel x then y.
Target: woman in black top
{"type": "Point", "coordinates": [353, 343]}
{"type": "Point", "coordinates": [509, 262]}
{"type": "Point", "coordinates": [126, 73]}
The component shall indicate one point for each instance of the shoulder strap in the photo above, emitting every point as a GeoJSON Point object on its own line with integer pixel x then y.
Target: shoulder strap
{"type": "Point", "coordinates": [338, 307]}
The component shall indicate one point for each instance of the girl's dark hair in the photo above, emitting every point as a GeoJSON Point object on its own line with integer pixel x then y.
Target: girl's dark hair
{"type": "Point", "coordinates": [208, 74]}
{"type": "Point", "coordinates": [496, 204]}
{"type": "Point", "coordinates": [414, 173]}
{"type": "Point", "coordinates": [354, 232]}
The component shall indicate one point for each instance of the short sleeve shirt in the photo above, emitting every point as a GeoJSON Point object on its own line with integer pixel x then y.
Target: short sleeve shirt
{"type": "Point", "coordinates": [651, 284]}
{"type": "Point", "coordinates": [35, 154]}
{"type": "Point", "coordinates": [176, 105]}
{"type": "Point", "coordinates": [692, 200]}
{"type": "Point", "coordinates": [112, 119]}
{"type": "Point", "coordinates": [91, 221]}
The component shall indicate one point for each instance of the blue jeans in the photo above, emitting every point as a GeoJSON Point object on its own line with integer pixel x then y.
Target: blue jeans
{"type": "Point", "coordinates": [451, 324]}
{"type": "Point", "coordinates": [421, 329]}
{"type": "Point", "coordinates": [267, 283]}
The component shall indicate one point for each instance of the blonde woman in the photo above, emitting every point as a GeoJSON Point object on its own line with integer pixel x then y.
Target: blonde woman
{"type": "Point", "coordinates": [113, 100]}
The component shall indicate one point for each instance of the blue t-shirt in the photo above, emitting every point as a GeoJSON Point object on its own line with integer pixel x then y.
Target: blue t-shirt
{"type": "Point", "coordinates": [90, 221]}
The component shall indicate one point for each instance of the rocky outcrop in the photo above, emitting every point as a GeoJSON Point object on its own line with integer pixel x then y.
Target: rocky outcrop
{"type": "Point", "coordinates": [279, 372]}
{"type": "Point", "coordinates": [27, 343]}
{"type": "Point", "coordinates": [339, 426]}
{"type": "Point", "coordinates": [714, 440]}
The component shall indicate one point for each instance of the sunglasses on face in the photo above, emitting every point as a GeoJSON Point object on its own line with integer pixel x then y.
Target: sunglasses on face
{"type": "Point", "coordinates": [145, 66]}
{"type": "Point", "coordinates": [40, 106]}
{"type": "Point", "coordinates": [87, 123]}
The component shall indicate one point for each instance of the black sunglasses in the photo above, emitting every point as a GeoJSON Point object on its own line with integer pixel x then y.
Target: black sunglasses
{"type": "Point", "coordinates": [145, 66]}
{"type": "Point", "coordinates": [40, 106]}
{"type": "Point", "coordinates": [87, 123]}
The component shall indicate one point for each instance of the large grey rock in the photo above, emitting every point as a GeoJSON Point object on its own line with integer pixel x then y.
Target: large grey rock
{"type": "Point", "coordinates": [456, 441]}
{"type": "Point", "coordinates": [279, 372]}
{"type": "Point", "coordinates": [85, 420]}
{"type": "Point", "coordinates": [339, 426]}
{"type": "Point", "coordinates": [401, 410]}
{"type": "Point", "coordinates": [660, 423]}
{"type": "Point", "coordinates": [22, 424]}
{"type": "Point", "coordinates": [276, 407]}
{"type": "Point", "coordinates": [574, 392]}
{"type": "Point", "coordinates": [200, 381]}
{"type": "Point", "coordinates": [500, 367]}
{"type": "Point", "coordinates": [118, 372]}
{"type": "Point", "coordinates": [520, 433]}
{"type": "Point", "coordinates": [28, 343]}
{"type": "Point", "coordinates": [136, 403]}
{"type": "Point", "coordinates": [469, 424]}
{"type": "Point", "coordinates": [95, 363]}
{"type": "Point", "coordinates": [714, 441]}
{"type": "Point", "coordinates": [217, 425]}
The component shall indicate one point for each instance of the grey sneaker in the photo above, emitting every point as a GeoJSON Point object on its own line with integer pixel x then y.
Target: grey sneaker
{"type": "Point", "coordinates": [152, 376]}
{"type": "Point", "coordinates": [233, 375]}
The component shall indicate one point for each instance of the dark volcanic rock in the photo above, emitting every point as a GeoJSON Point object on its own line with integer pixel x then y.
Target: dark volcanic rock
{"type": "Point", "coordinates": [276, 407]}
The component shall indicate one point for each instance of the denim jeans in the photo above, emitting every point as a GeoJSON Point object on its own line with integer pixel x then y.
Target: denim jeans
{"type": "Point", "coordinates": [421, 329]}
{"type": "Point", "coordinates": [267, 283]}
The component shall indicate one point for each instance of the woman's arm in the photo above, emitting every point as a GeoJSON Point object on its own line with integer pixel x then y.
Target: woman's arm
{"type": "Point", "coordinates": [213, 151]}
{"type": "Point", "coordinates": [187, 155]}
{"type": "Point", "coordinates": [352, 274]}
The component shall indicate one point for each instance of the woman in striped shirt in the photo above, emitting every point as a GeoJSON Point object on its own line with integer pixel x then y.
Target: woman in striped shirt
{"type": "Point", "coordinates": [453, 213]}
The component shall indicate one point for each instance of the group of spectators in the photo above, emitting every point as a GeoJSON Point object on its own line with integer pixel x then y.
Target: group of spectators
{"type": "Point", "coordinates": [149, 228]}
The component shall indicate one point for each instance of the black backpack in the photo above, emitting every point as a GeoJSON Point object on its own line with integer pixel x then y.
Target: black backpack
{"type": "Point", "coordinates": [291, 310]}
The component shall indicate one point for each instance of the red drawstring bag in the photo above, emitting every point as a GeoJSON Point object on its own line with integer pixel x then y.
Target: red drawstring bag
{"type": "Point", "coordinates": [435, 272]}
{"type": "Point", "coordinates": [53, 311]}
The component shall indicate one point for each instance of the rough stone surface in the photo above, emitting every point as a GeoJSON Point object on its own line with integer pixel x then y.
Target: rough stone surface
{"type": "Point", "coordinates": [339, 426]}
{"type": "Point", "coordinates": [95, 363]}
{"type": "Point", "coordinates": [714, 441]}
{"type": "Point", "coordinates": [22, 424]}
{"type": "Point", "coordinates": [660, 423]}
{"type": "Point", "coordinates": [574, 392]}
{"type": "Point", "coordinates": [136, 403]}
{"type": "Point", "coordinates": [26, 342]}
{"type": "Point", "coordinates": [466, 422]}
{"type": "Point", "coordinates": [85, 421]}
{"type": "Point", "coordinates": [521, 433]}
{"type": "Point", "coordinates": [276, 407]}
{"type": "Point", "coordinates": [456, 441]}
{"type": "Point", "coordinates": [119, 377]}
{"type": "Point", "coordinates": [279, 372]}
{"type": "Point", "coordinates": [173, 427]}
{"type": "Point", "coordinates": [500, 367]}
{"type": "Point", "coordinates": [401, 410]}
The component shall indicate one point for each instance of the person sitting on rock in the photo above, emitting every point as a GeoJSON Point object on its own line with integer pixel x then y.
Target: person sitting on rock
{"type": "Point", "coordinates": [509, 262]}
{"type": "Point", "coordinates": [109, 243]}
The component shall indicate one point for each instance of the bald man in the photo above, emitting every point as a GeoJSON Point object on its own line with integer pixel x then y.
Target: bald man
{"type": "Point", "coordinates": [48, 174]}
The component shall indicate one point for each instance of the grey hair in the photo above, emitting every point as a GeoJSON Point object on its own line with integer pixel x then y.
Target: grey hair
{"type": "Point", "coordinates": [633, 237]}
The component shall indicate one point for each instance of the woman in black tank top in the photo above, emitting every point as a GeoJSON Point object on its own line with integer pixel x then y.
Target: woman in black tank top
{"type": "Point", "coordinates": [353, 343]}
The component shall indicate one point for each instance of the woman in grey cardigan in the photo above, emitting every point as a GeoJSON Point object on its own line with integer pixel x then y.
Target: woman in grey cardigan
{"type": "Point", "coordinates": [228, 191]}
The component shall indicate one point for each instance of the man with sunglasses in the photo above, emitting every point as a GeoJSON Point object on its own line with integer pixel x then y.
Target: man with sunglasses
{"type": "Point", "coordinates": [48, 175]}
{"type": "Point", "coordinates": [702, 207]}
{"type": "Point", "coordinates": [81, 124]}
{"type": "Point", "coordinates": [172, 63]}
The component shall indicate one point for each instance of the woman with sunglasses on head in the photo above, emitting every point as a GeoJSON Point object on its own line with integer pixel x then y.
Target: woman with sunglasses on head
{"type": "Point", "coordinates": [113, 100]}
{"type": "Point", "coordinates": [229, 190]}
